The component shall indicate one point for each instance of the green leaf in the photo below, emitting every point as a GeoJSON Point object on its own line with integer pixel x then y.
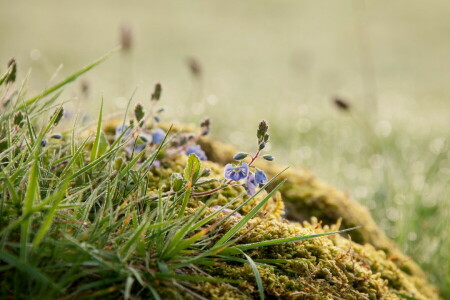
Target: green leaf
{"type": "Point", "coordinates": [197, 278]}
{"type": "Point", "coordinates": [257, 276]}
{"type": "Point", "coordinates": [59, 195]}
{"type": "Point", "coordinates": [31, 195]}
{"type": "Point", "coordinates": [26, 268]}
{"type": "Point", "coordinates": [288, 240]}
{"type": "Point", "coordinates": [192, 170]}
{"type": "Point", "coordinates": [96, 144]}
{"type": "Point", "coordinates": [227, 236]}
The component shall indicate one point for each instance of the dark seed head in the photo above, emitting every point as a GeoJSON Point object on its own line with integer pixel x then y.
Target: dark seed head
{"type": "Point", "coordinates": [194, 67]}
{"type": "Point", "coordinates": [157, 92]}
{"type": "Point", "coordinates": [12, 66]}
{"type": "Point", "coordinates": [126, 37]}
{"type": "Point", "coordinates": [341, 104]}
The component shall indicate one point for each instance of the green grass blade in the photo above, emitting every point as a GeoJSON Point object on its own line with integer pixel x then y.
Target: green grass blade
{"type": "Point", "coordinates": [96, 144]}
{"type": "Point", "coordinates": [257, 276]}
{"type": "Point", "coordinates": [31, 194]}
{"type": "Point", "coordinates": [26, 268]}
{"type": "Point", "coordinates": [227, 236]}
{"type": "Point", "coordinates": [59, 195]}
{"type": "Point", "coordinates": [289, 239]}
{"type": "Point", "coordinates": [196, 278]}
{"type": "Point", "coordinates": [64, 82]}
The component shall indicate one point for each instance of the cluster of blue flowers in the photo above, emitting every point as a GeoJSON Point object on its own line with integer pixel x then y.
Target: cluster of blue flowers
{"type": "Point", "coordinates": [143, 138]}
{"type": "Point", "coordinates": [253, 176]}
{"type": "Point", "coordinates": [187, 143]}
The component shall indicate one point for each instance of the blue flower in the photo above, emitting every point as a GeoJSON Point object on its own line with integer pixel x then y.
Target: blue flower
{"type": "Point", "coordinates": [121, 128]}
{"type": "Point", "coordinates": [197, 151]}
{"type": "Point", "coordinates": [158, 136]}
{"type": "Point", "coordinates": [236, 173]}
{"type": "Point", "coordinates": [251, 184]}
{"type": "Point", "coordinates": [260, 177]}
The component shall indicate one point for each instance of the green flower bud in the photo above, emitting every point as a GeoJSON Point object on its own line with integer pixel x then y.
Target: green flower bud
{"type": "Point", "coordinates": [240, 156]}
{"type": "Point", "coordinates": [206, 172]}
{"type": "Point", "coordinates": [268, 157]}
{"type": "Point", "coordinates": [261, 146]}
{"type": "Point", "coordinates": [139, 112]}
{"type": "Point", "coordinates": [177, 181]}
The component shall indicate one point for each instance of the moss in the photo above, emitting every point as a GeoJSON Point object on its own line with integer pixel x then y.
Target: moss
{"type": "Point", "coordinates": [367, 266]}
{"type": "Point", "coordinates": [305, 197]}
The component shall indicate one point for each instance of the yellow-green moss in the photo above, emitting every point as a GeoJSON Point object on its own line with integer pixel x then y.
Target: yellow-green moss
{"type": "Point", "coordinates": [367, 266]}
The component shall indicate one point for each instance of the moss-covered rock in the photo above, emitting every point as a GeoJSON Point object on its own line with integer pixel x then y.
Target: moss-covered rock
{"type": "Point", "coordinates": [362, 265]}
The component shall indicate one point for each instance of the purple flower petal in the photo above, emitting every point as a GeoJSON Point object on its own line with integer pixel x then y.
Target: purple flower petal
{"type": "Point", "coordinates": [197, 151]}
{"type": "Point", "coordinates": [158, 135]}
{"type": "Point", "coordinates": [251, 184]}
{"type": "Point", "coordinates": [260, 177]}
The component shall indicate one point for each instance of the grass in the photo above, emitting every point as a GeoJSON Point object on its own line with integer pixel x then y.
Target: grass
{"type": "Point", "coordinates": [69, 230]}
{"type": "Point", "coordinates": [395, 161]}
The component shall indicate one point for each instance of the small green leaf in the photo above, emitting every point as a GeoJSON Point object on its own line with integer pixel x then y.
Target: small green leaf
{"type": "Point", "coordinates": [96, 146]}
{"type": "Point", "coordinates": [192, 170]}
{"type": "Point", "coordinates": [257, 276]}
{"type": "Point", "coordinates": [57, 115]}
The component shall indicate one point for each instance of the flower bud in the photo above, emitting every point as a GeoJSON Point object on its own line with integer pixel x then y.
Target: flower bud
{"type": "Point", "coordinates": [206, 172]}
{"type": "Point", "coordinates": [240, 156]}
{"type": "Point", "coordinates": [139, 112]}
{"type": "Point", "coordinates": [261, 146]}
{"type": "Point", "coordinates": [268, 157]}
{"type": "Point", "coordinates": [177, 181]}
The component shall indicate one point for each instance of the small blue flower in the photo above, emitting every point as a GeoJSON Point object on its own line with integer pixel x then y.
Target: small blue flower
{"type": "Point", "coordinates": [158, 136]}
{"type": "Point", "coordinates": [260, 177]}
{"type": "Point", "coordinates": [236, 173]}
{"type": "Point", "coordinates": [251, 184]}
{"type": "Point", "coordinates": [121, 128]}
{"type": "Point", "coordinates": [197, 151]}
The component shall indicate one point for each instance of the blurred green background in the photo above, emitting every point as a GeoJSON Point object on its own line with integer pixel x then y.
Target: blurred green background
{"type": "Point", "coordinates": [283, 61]}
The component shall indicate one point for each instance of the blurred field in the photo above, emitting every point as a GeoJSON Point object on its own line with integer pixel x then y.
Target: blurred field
{"type": "Point", "coordinates": [282, 61]}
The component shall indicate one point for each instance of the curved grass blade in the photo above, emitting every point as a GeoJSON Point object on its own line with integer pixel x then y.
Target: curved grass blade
{"type": "Point", "coordinates": [64, 82]}
{"type": "Point", "coordinates": [257, 275]}
{"type": "Point", "coordinates": [289, 239]}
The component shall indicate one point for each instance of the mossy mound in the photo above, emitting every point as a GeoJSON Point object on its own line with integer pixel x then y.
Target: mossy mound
{"type": "Point", "coordinates": [366, 265]}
